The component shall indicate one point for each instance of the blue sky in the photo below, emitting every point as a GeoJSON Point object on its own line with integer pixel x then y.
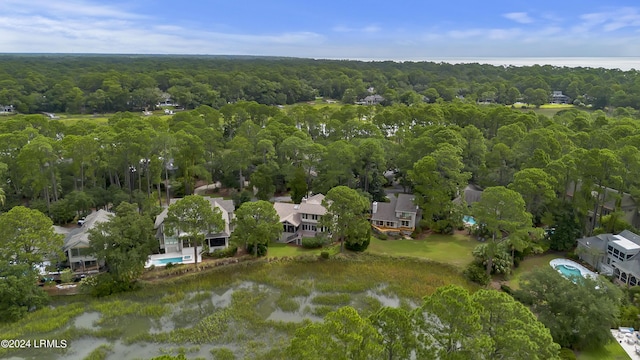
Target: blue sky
{"type": "Point", "coordinates": [400, 30]}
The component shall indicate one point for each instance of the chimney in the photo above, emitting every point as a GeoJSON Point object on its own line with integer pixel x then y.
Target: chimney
{"type": "Point", "coordinates": [374, 207]}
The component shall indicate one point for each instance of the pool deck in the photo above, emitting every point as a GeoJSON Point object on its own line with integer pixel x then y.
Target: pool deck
{"type": "Point", "coordinates": [583, 270]}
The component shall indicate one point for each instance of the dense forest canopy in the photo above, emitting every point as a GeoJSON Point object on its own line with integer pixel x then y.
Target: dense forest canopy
{"type": "Point", "coordinates": [92, 83]}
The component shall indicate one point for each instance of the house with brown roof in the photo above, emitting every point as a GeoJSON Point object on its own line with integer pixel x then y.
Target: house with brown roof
{"type": "Point", "coordinates": [398, 216]}
{"type": "Point", "coordinates": [179, 249]}
{"type": "Point", "coordinates": [617, 255]}
{"type": "Point", "coordinates": [300, 220]}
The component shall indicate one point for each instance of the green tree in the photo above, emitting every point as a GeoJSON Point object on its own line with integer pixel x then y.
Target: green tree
{"type": "Point", "coordinates": [437, 179]}
{"type": "Point", "coordinates": [124, 244]}
{"type": "Point", "coordinates": [396, 332]}
{"type": "Point", "coordinates": [501, 212]}
{"type": "Point", "coordinates": [256, 224]}
{"type": "Point", "coordinates": [514, 330]}
{"type": "Point", "coordinates": [343, 335]}
{"type": "Point", "coordinates": [536, 188]}
{"type": "Point", "coordinates": [578, 315]}
{"type": "Point", "coordinates": [27, 237]}
{"type": "Point", "coordinates": [193, 217]}
{"type": "Point", "coordinates": [447, 325]}
{"type": "Point", "coordinates": [346, 215]}
{"type": "Point", "coordinates": [19, 292]}
{"type": "Point", "coordinates": [263, 180]}
{"type": "Point", "coordinates": [298, 185]}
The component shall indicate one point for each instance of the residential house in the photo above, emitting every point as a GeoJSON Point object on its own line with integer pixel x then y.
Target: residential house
{"type": "Point", "coordinates": [471, 194]}
{"type": "Point", "coordinates": [617, 255]}
{"type": "Point", "coordinates": [557, 97]}
{"type": "Point", "coordinates": [300, 220]}
{"type": "Point", "coordinates": [398, 216]}
{"type": "Point", "coordinates": [371, 100]}
{"type": "Point", "coordinates": [608, 199]}
{"type": "Point", "coordinates": [178, 249]}
{"type": "Point", "coordinates": [6, 109]}
{"type": "Point", "coordinates": [76, 243]}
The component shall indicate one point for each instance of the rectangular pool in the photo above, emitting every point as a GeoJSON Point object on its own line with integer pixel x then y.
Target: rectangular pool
{"type": "Point", "coordinates": [165, 261]}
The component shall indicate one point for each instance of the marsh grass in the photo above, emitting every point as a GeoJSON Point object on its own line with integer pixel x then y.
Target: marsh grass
{"type": "Point", "coordinates": [335, 300]}
{"type": "Point", "coordinates": [286, 303]}
{"type": "Point", "coordinates": [259, 288]}
{"type": "Point", "coordinates": [223, 354]}
{"type": "Point", "coordinates": [100, 353]}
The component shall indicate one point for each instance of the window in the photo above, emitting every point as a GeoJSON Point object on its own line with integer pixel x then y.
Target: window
{"type": "Point", "coordinates": [405, 223]}
{"type": "Point", "coordinates": [304, 216]}
{"type": "Point", "coordinates": [80, 252]}
{"type": "Point", "coordinates": [315, 217]}
{"type": "Point", "coordinates": [170, 240]}
{"type": "Point", "coordinates": [217, 242]}
{"type": "Point", "coordinates": [390, 224]}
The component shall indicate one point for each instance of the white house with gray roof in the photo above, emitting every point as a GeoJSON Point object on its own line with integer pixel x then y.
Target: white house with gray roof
{"type": "Point", "coordinates": [76, 243]}
{"type": "Point", "coordinates": [177, 246]}
{"type": "Point", "coordinates": [300, 220]}
{"type": "Point", "coordinates": [398, 216]}
{"type": "Point", "coordinates": [617, 255]}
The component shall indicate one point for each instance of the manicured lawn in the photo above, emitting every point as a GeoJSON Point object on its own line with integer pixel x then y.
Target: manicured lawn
{"type": "Point", "coordinates": [527, 265]}
{"type": "Point", "coordinates": [613, 351]}
{"type": "Point", "coordinates": [451, 249]}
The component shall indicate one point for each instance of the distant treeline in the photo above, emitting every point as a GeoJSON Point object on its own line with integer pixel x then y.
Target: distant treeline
{"type": "Point", "coordinates": [100, 83]}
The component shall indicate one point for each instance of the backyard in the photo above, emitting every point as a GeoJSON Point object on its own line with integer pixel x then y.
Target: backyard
{"type": "Point", "coordinates": [450, 249]}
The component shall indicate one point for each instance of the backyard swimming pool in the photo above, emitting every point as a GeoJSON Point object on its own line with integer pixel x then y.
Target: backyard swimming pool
{"type": "Point", "coordinates": [571, 269]}
{"type": "Point", "coordinates": [469, 220]}
{"type": "Point", "coordinates": [568, 271]}
{"type": "Point", "coordinates": [165, 261]}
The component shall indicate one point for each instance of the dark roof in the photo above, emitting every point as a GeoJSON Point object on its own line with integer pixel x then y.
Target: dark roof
{"type": "Point", "coordinates": [596, 242]}
{"type": "Point", "coordinates": [386, 211]}
{"type": "Point", "coordinates": [405, 203]}
{"type": "Point", "coordinates": [471, 194]}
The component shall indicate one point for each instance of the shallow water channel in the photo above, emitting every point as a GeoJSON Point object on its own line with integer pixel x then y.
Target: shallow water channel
{"type": "Point", "coordinates": [246, 318]}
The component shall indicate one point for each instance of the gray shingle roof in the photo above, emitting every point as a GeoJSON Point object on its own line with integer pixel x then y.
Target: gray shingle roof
{"type": "Point", "coordinates": [80, 236]}
{"type": "Point", "coordinates": [386, 211]}
{"type": "Point", "coordinates": [405, 203]}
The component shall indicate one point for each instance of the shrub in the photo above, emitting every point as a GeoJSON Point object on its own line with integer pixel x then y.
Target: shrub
{"type": "Point", "coordinates": [357, 246]}
{"type": "Point", "coordinates": [66, 276]}
{"type": "Point", "coordinates": [324, 254]}
{"type": "Point", "coordinates": [507, 289]}
{"type": "Point", "coordinates": [225, 253]}
{"type": "Point", "coordinates": [567, 354]}
{"type": "Point", "coordinates": [477, 273]}
{"type": "Point", "coordinates": [383, 236]}
{"type": "Point", "coordinates": [312, 242]}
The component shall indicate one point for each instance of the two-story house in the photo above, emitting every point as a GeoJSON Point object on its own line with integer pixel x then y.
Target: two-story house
{"type": "Point", "coordinates": [617, 255]}
{"type": "Point", "coordinates": [300, 220]}
{"type": "Point", "coordinates": [398, 216]}
{"type": "Point", "coordinates": [76, 243]}
{"type": "Point", "coordinates": [178, 249]}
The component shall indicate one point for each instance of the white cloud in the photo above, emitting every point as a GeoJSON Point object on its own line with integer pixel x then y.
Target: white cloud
{"type": "Point", "coordinates": [366, 29]}
{"type": "Point", "coordinates": [519, 17]}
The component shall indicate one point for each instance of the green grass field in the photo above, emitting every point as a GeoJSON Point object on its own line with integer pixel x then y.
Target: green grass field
{"type": "Point", "coordinates": [527, 265]}
{"type": "Point", "coordinates": [451, 249]}
{"type": "Point", "coordinates": [613, 351]}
